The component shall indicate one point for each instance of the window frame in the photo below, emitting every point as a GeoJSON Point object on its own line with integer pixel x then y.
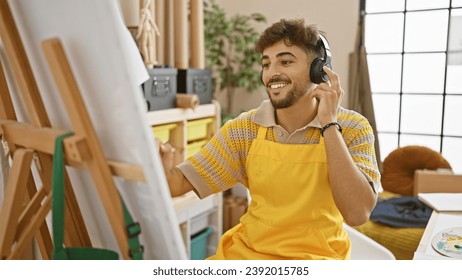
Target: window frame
{"type": "Point", "coordinates": [400, 133]}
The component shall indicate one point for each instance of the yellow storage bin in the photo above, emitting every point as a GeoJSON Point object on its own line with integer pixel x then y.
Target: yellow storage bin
{"type": "Point", "coordinates": [163, 131]}
{"type": "Point", "coordinates": [194, 147]}
{"type": "Point", "coordinates": [197, 129]}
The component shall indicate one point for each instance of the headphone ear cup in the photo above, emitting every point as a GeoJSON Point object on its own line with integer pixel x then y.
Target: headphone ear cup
{"type": "Point", "coordinates": [317, 75]}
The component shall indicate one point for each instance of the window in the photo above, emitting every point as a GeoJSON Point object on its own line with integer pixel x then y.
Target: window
{"type": "Point", "coordinates": [414, 50]}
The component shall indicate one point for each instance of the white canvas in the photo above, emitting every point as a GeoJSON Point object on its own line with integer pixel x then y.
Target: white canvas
{"type": "Point", "coordinates": [109, 71]}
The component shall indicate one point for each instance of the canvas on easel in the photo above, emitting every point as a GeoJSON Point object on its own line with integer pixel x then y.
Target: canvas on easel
{"type": "Point", "coordinates": [100, 54]}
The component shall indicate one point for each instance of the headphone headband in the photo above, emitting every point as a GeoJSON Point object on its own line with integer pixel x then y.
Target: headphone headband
{"type": "Point", "coordinates": [326, 50]}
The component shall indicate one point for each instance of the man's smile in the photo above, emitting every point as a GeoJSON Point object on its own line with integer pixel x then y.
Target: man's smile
{"type": "Point", "coordinates": [278, 85]}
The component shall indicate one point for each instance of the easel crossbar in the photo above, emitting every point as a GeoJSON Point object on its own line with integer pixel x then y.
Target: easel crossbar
{"type": "Point", "coordinates": [76, 149]}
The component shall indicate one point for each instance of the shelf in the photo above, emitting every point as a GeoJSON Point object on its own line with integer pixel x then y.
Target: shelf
{"type": "Point", "coordinates": [187, 130]}
{"type": "Point", "coordinates": [178, 114]}
{"type": "Point", "coordinates": [189, 205]}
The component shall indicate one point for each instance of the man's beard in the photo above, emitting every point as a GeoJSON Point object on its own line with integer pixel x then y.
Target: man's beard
{"type": "Point", "coordinates": [292, 97]}
{"type": "Point", "coordinates": [288, 101]}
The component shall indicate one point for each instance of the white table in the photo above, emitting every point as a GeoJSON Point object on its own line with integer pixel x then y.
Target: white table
{"type": "Point", "coordinates": [438, 222]}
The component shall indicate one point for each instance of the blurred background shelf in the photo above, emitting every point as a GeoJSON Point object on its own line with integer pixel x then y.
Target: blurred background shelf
{"type": "Point", "coordinates": [188, 130]}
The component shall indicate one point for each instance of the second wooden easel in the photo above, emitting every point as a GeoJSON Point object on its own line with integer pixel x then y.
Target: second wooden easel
{"type": "Point", "coordinates": [19, 223]}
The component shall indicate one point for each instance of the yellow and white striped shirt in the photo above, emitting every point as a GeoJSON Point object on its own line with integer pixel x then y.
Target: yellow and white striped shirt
{"type": "Point", "coordinates": [221, 163]}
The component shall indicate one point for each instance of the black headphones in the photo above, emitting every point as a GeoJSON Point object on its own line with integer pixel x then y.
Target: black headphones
{"type": "Point", "coordinates": [317, 74]}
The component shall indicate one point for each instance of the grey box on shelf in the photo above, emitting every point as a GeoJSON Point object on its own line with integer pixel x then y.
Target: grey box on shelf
{"type": "Point", "coordinates": [196, 81]}
{"type": "Point", "coordinates": [161, 88]}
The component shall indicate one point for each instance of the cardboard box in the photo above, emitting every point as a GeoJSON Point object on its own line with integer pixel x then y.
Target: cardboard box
{"type": "Point", "coordinates": [233, 208]}
{"type": "Point", "coordinates": [430, 181]}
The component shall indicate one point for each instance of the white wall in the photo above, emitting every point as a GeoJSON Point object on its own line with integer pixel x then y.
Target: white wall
{"type": "Point", "coordinates": [338, 18]}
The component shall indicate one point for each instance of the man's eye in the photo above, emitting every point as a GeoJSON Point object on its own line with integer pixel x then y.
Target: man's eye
{"type": "Point", "coordinates": [265, 65]}
{"type": "Point", "coordinates": [286, 62]}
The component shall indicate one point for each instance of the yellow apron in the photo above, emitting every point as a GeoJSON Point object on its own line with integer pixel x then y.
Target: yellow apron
{"type": "Point", "coordinates": [292, 214]}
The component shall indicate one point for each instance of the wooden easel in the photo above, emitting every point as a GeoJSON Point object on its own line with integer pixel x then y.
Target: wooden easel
{"type": "Point", "coordinates": [18, 223]}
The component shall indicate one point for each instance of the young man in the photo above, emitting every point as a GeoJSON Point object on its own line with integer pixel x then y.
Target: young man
{"type": "Point", "coordinates": [308, 163]}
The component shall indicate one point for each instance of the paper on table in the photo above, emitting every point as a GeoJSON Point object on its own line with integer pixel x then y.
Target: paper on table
{"type": "Point", "coordinates": [442, 201]}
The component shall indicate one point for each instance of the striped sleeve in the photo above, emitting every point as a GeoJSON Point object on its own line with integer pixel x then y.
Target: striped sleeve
{"type": "Point", "coordinates": [359, 138]}
{"type": "Point", "coordinates": [220, 164]}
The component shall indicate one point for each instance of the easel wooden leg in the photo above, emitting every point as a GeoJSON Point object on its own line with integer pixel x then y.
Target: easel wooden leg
{"type": "Point", "coordinates": [43, 237]}
{"type": "Point", "coordinates": [14, 195]}
{"type": "Point", "coordinates": [31, 228]}
{"type": "Point", "coordinates": [7, 112]}
{"type": "Point", "coordinates": [82, 126]}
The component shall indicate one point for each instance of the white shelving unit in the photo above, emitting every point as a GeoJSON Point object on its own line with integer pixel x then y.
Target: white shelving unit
{"type": "Point", "coordinates": [187, 130]}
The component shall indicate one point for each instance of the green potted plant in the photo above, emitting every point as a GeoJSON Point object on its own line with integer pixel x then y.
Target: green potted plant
{"type": "Point", "coordinates": [229, 49]}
